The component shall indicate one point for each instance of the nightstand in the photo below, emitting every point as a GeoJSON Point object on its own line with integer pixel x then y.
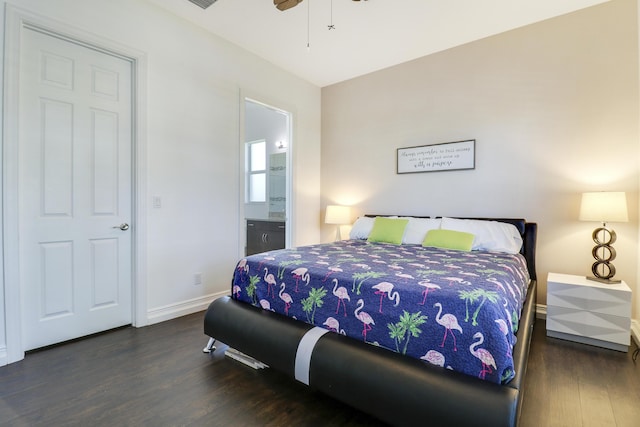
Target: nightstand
{"type": "Point", "coordinates": [589, 312]}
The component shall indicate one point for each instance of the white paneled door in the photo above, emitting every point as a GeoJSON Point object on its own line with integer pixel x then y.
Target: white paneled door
{"type": "Point", "coordinates": [75, 189]}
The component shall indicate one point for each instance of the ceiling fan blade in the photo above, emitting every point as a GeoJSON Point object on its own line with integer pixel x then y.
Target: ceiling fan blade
{"type": "Point", "coordinates": [286, 4]}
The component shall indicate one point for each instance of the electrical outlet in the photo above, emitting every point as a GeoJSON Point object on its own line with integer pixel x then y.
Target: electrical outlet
{"type": "Point", "coordinates": [197, 279]}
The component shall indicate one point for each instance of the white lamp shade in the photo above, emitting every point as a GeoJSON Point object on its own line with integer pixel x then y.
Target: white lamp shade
{"type": "Point", "coordinates": [604, 206]}
{"type": "Point", "coordinates": [337, 215]}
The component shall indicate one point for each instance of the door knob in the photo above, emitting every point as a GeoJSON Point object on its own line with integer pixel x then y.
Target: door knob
{"type": "Point", "coordinates": [124, 226]}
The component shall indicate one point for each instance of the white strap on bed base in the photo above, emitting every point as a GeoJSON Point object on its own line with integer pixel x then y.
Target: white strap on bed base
{"type": "Point", "coordinates": [305, 350]}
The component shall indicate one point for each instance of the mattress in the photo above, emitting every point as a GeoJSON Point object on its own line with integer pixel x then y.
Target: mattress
{"type": "Point", "coordinates": [458, 310]}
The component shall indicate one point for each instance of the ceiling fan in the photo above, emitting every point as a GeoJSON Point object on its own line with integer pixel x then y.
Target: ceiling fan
{"type": "Point", "coordinates": [288, 4]}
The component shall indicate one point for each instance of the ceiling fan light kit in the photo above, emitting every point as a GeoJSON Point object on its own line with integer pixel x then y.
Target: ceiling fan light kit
{"type": "Point", "coordinates": [204, 3]}
{"type": "Point", "coordinates": [286, 4]}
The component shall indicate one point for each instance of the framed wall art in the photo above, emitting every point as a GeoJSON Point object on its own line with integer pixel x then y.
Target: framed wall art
{"type": "Point", "coordinates": [446, 156]}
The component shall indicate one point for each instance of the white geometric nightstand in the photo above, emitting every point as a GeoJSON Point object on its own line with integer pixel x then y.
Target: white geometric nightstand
{"type": "Point", "coordinates": [589, 312]}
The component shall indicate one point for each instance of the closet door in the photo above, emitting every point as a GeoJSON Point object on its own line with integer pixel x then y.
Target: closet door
{"type": "Point", "coordinates": [75, 192]}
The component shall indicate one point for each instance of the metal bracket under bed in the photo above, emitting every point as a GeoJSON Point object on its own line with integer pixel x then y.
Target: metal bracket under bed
{"type": "Point", "coordinates": [235, 354]}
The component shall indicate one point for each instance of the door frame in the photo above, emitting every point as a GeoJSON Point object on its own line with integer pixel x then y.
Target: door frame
{"type": "Point", "coordinates": [16, 21]}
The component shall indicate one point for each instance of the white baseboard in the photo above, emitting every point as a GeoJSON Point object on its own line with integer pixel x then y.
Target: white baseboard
{"type": "Point", "coordinates": [541, 313]}
{"type": "Point", "coordinates": [171, 311]}
{"type": "Point", "coordinates": [4, 357]}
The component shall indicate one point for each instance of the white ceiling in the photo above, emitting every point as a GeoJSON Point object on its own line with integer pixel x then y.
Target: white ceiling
{"type": "Point", "coordinates": [368, 35]}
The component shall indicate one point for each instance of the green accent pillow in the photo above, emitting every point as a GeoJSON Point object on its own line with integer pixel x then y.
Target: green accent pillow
{"type": "Point", "coordinates": [449, 239]}
{"type": "Point", "coordinates": [388, 230]}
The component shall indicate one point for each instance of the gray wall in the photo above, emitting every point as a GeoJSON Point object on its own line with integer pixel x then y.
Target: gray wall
{"type": "Point", "coordinates": [553, 108]}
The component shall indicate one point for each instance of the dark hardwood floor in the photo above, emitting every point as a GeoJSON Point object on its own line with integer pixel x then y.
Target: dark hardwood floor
{"type": "Point", "coordinates": [159, 376]}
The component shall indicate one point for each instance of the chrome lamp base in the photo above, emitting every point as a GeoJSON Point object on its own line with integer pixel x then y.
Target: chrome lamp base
{"type": "Point", "coordinates": [602, 280]}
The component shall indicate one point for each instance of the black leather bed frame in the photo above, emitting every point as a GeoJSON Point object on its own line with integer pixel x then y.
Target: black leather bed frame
{"type": "Point", "coordinates": [402, 391]}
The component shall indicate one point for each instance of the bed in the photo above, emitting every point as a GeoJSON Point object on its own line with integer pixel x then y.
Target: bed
{"type": "Point", "coordinates": [369, 322]}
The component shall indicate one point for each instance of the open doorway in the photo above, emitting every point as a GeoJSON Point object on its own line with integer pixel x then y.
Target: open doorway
{"type": "Point", "coordinates": [266, 178]}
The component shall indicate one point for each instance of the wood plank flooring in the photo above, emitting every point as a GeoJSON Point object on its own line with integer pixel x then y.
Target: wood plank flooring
{"type": "Point", "coordinates": [159, 376]}
{"type": "Point", "coordinates": [571, 384]}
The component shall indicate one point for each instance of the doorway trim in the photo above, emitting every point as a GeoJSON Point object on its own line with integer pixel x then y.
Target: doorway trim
{"type": "Point", "coordinates": [16, 20]}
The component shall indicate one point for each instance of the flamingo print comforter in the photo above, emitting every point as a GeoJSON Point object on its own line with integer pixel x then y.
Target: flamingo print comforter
{"type": "Point", "coordinates": [458, 310]}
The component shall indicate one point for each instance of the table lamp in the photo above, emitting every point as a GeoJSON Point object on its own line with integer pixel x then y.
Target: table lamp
{"type": "Point", "coordinates": [604, 207]}
{"type": "Point", "coordinates": [339, 215]}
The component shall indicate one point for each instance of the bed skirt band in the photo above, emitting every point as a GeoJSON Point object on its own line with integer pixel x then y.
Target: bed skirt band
{"type": "Point", "coordinates": [304, 352]}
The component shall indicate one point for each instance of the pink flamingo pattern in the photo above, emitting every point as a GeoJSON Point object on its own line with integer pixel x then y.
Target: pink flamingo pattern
{"type": "Point", "coordinates": [434, 357]}
{"type": "Point", "coordinates": [266, 305]}
{"type": "Point", "coordinates": [450, 323]}
{"type": "Point", "coordinates": [385, 289]}
{"type": "Point", "coordinates": [483, 355]}
{"type": "Point", "coordinates": [264, 260]}
{"type": "Point", "coordinates": [428, 286]}
{"type": "Point", "coordinates": [331, 271]}
{"type": "Point", "coordinates": [458, 280]}
{"type": "Point", "coordinates": [243, 267]}
{"type": "Point", "coordinates": [286, 298]}
{"type": "Point", "coordinates": [408, 277]}
{"type": "Point", "coordinates": [342, 294]}
{"type": "Point", "coordinates": [270, 280]}
{"type": "Point", "coordinates": [333, 325]}
{"type": "Point", "coordinates": [365, 318]}
{"type": "Point", "coordinates": [502, 325]}
{"type": "Point", "coordinates": [236, 290]}
{"type": "Point", "coordinates": [301, 273]}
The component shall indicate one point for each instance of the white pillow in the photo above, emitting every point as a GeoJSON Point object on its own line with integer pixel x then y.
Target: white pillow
{"type": "Point", "coordinates": [417, 229]}
{"type": "Point", "coordinates": [491, 236]}
{"type": "Point", "coordinates": [361, 228]}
